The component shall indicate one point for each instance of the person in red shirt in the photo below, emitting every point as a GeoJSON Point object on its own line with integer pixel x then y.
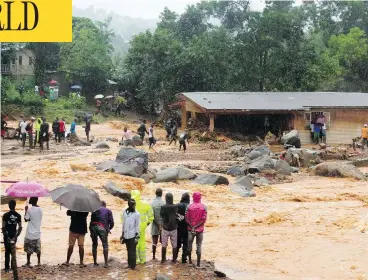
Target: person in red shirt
{"type": "Point", "coordinates": [62, 129]}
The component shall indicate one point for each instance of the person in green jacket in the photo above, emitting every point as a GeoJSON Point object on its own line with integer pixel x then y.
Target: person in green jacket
{"type": "Point", "coordinates": [146, 216]}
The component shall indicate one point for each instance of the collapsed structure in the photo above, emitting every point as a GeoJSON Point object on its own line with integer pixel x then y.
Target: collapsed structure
{"type": "Point", "coordinates": [260, 112]}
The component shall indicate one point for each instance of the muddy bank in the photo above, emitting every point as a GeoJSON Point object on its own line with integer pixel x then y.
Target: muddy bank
{"type": "Point", "coordinates": [118, 271]}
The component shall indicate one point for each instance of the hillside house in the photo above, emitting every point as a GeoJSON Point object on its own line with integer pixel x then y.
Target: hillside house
{"type": "Point", "coordinates": [21, 66]}
{"type": "Point", "coordinates": [247, 112]}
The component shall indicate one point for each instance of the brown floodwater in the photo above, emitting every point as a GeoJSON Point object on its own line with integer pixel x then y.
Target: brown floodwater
{"type": "Point", "coordinates": [309, 228]}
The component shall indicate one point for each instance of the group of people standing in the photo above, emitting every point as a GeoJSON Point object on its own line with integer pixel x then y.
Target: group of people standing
{"type": "Point", "coordinates": [39, 127]}
{"type": "Point", "coordinates": [318, 128]}
{"type": "Point", "coordinates": [180, 223]}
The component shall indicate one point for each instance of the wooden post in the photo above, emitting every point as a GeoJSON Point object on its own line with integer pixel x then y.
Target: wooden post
{"type": "Point", "coordinates": [212, 123]}
{"type": "Point", "coordinates": [183, 117]}
{"type": "Point", "coordinates": [193, 115]}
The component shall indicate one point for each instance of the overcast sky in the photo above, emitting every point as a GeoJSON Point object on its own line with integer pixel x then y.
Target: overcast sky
{"type": "Point", "coordinates": [149, 9]}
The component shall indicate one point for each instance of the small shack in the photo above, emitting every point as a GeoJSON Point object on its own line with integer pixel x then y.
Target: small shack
{"type": "Point", "coordinates": [260, 112]}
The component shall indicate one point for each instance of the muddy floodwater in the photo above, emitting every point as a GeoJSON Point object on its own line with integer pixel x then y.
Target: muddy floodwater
{"type": "Point", "coordinates": [307, 228]}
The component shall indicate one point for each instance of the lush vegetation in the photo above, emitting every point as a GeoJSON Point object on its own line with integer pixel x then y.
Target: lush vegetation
{"type": "Point", "coordinates": [217, 46]}
{"type": "Point", "coordinates": [224, 46]}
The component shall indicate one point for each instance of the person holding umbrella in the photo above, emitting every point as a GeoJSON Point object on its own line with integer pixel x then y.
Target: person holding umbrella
{"type": "Point", "coordinates": [77, 231]}
{"type": "Point", "coordinates": [32, 239]}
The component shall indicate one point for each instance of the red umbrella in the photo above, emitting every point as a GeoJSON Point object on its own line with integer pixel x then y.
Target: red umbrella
{"type": "Point", "coordinates": [27, 189]}
{"type": "Point", "coordinates": [53, 82]}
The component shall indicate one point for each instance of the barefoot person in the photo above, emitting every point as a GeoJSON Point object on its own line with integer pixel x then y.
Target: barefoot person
{"type": "Point", "coordinates": [142, 130]}
{"type": "Point", "coordinates": [146, 217]}
{"type": "Point", "coordinates": [77, 231]}
{"type": "Point", "coordinates": [183, 137]}
{"type": "Point", "coordinates": [169, 227]}
{"type": "Point", "coordinates": [130, 234]}
{"type": "Point", "coordinates": [87, 127]}
{"type": "Point", "coordinates": [101, 225]}
{"type": "Point", "coordinates": [196, 217]}
{"type": "Point", "coordinates": [45, 134]}
{"type": "Point", "coordinates": [56, 129]}
{"type": "Point", "coordinates": [151, 138]}
{"type": "Point", "coordinates": [157, 220]}
{"type": "Point", "coordinates": [32, 240]}
{"type": "Point", "coordinates": [182, 226]}
{"type": "Point", "coordinates": [11, 220]}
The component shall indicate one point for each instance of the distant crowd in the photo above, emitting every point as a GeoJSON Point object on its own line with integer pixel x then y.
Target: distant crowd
{"type": "Point", "coordinates": [178, 223]}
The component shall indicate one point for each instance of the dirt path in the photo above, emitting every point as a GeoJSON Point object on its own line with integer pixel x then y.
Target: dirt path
{"type": "Point", "coordinates": [312, 228]}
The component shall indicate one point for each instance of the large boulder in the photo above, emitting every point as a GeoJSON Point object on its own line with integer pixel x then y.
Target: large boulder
{"type": "Point", "coordinates": [238, 150]}
{"type": "Point", "coordinates": [137, 140]}
{"type": "Point", "coordinates": [305, 157]}
{"type": "Point", "coordinates": [264, 150]}
{"type": "Point", "coordinates": [174, 174]}
{"type": "Point", "coordinates": [107, 165]}
{"type": "Point", "coordinates": [111, 188]}
{"type": "Point", "coordinates": [339, 169]}
{"type": "Point", "coordinates": [128, 142]}
{"type": "Point", "coordinates": [102, 145]}
{"type": "Point", "coordinates": [282, 167]}
{"type": "Point", "coordinates": [237, 170]}
{"type": "Point", "coordinates": [211, 179]}
{"type": "Point", "coordinates": [260, 164]}
{"type": "Point", "coordinates": [133, 169]}
{"type": "Point", "coordinates": [253, 155]}
{"type": "Point", "coordinates": [243, 187]}
{"type": "Point", "coordinates": [260, 182]}
{"type": "Point", "coordinates": [130, 154]}
{"type": "Point", "coordinates": [363, 162]}
{"type": "Point", "coordinates": [292, 138]}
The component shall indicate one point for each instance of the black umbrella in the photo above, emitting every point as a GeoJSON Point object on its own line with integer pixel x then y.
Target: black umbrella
{"type": "Point", "coordinates": [76, 198]}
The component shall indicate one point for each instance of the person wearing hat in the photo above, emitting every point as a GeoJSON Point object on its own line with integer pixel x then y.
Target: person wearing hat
{"type": "Point", "coordinates": [364, 136]}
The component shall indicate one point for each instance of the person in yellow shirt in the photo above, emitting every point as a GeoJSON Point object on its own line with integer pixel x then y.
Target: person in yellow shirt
{"type": "Point", "coordinates": [146, 216]}
{"type": "Point", "coordinates": [364, 136]}
{"type": "Point", "coordinates": [37, 126]}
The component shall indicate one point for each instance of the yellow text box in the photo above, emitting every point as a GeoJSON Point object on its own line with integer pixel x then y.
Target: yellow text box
{"type": "Point", "coordinates": [35, 21]}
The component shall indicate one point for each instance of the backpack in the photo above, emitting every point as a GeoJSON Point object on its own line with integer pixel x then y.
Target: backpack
{"type": "Point", "coordinates": [28, 127]}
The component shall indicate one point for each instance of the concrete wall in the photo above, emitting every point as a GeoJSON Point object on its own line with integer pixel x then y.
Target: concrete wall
{"type": "Point", "coordinates": [26, 68]}
{"type": "Point", "coordinates": [345, 124]}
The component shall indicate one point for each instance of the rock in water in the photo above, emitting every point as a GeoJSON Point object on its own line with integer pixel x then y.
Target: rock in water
{"type": "Point", "coordinates": [260, 182]}
{"type": "Point", "coordinates": [146, 178]}
{"type": "Point", "coordinates": [107, 165]}
{"type": "Point", "coordinates": [237, 170]}
{"type": "Point", "coordinates": [219, 274]}
{"type": "Point", "coordinates": [260, 164]}
{"type": "Point", "coordinates": [253, 155]}
{"type": "Point", "coordinates": [211, 179]}
{"type": "Point", "coordinates": [243, 187]}
{"type": "Point", "coordinates": [133, 169]}
{"type": "Point", "coordinates": [111, 188]}
{"type": "Point", "coordinates": [264, 150]}
{"type": "Point", "coordinates": [292, 138]}
{"type": "Point", "coordinates": [162, 277]}
{"type": "Point", "coordinates": [282, 167]}
{"type": "Point", "coordinates": [305, 157]}
{"type": "Point", "coordinates": [174, 174]}
{"type": "Point", "coordinates": [128, 142]}
{"type": "Point", "coordinates": [130, 154]}
{"type": "Point", "coordinates": [102, 145]}
{"type": "Point", "coordinates": [137, 140]}
{"type": "Point", "coordinates": [112, 139]}
{"type": "Point", "coordinates": [339, 169]}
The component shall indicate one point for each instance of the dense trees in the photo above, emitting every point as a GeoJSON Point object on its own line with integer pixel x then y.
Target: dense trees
{"type": "Point", "coordinates": [224, 46]}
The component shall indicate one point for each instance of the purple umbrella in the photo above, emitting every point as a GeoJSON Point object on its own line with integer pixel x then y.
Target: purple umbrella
{"type": "Point", "coordinates": [27, 189]}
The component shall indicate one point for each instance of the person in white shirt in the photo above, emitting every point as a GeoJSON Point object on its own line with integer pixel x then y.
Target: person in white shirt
{"type": "Point", "coordinates": [32, 239]}
{"type": "Point", "coordinates": [127, 139]}
{"type": "Point", "coordinates": [23, 132]}
{"type": "Point", "coordinates": [151, 139]}
{"type": "Point", "coordinates": [130, 234]}
{"type": "Point", "coordinates": [20, 123]}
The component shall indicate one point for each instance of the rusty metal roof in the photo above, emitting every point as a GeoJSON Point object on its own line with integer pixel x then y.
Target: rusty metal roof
{"type": "Point", "coordinates": [277, 100]}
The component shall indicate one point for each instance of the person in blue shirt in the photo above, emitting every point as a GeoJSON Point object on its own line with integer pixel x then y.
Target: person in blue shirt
{"type": "Point", "coordinates": [72, 127]}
